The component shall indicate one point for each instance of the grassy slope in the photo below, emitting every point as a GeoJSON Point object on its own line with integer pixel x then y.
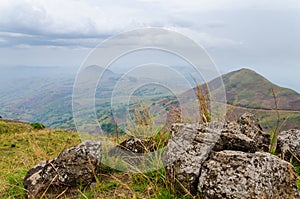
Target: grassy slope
{"type": "Point", "coordinates": [254, 92]}
{"type": "Point", "coordinates": [249, 89]}
{"type": "Point", "coordinates": [22, 147]}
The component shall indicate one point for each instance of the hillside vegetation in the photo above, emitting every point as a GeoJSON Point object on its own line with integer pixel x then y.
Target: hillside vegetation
{"type": "Point", "coordinates": [50, 99]}
{"type": "Point", "coordinates": [247, 88]}
{"type": "Point", "coordinates": [22, 147]}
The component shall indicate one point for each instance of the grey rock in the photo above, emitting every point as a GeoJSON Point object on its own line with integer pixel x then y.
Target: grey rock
{"type": "Point", "coordinates": [132, 146]}
{"type": "Point", "coordinates": [74, 166]}
{"type": "Point", "coordinates": [249, 119]}
{"type": "Point", "coordinates": [289, 144]}
{"type": "Point", "coordinates": [238, 142]}
{"type": "Point", "coordinates": [235, 174]}
{"type": "Point", "coordinates": [249, 125]}
{"type": "Point", "coordinates": [131, 152]}
{"type": "Point", "coordinates": [189, 146]}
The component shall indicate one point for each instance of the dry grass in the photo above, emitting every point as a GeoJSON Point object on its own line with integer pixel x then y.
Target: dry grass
{"type": "Point", "coordinates": [25, 147]}
{"type": "Point", "coordinates": [21, 150]}
{"type": "Point", "coordinates": [203, 97]}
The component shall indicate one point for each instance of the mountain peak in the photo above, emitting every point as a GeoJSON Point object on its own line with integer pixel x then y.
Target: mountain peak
{"type": "Point", "coordinates": [247, 88]}
{"type": "Point", "coordinates": [245, 71]}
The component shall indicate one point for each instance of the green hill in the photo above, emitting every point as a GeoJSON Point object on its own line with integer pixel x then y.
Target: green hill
{"type": "Point", "coordinates": [248, 91]}
{"type": "Point", "coordinates": [247, 88]}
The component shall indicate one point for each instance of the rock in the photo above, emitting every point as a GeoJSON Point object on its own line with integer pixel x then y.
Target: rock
{"type": "Point", "coordinates": [249, 125]}
{"type": "Point", "coordinates": [289, 144]}
{"type": "Point", "coordinates": [132, 145]}
{"type": "Point", "coordinates": [74, 166]}
{"type": "Point", "coordinates": [249, 120]}
{"type": "Point", "coordinates": [238, 142]}
{"type": "Point", "coordinates": [189, 146]}
{"type": "Point", "coordinates": [235, 174]}
{"type": "Point", "coordinates": [130, 153]}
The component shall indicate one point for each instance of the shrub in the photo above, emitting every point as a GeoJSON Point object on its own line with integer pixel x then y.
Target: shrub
{"type": "Point", "coordinates": [37, 125]}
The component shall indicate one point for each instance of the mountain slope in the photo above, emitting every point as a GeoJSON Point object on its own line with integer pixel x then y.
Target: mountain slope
{"type": "Point", "coordinates": [247, 88]}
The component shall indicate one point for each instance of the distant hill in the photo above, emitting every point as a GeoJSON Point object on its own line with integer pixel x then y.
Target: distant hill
{"type": "Point", "coordinates": [247, 88]}
{"type": "Point", "coordinates": [248, 91]}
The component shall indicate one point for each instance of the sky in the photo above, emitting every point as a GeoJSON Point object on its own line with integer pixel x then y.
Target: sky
{"type": "Point", "coordinates": [259, 34]}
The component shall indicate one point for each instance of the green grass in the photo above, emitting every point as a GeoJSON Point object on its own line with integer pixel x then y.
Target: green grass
{"type": "Point", "coordinates": [22, 147]}
{"type": "Point", "coordinates": [7, 126]}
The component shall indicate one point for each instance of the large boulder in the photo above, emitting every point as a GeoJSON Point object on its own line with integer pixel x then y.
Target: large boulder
{"type": "Point", "coordinates": [289, 145]}
{"type": "Point", "coordinates": [189, 146]}
{"type": "Point", "coordinates": [75, 166]}
{"type": "Point", "coordinates": [236, 174]}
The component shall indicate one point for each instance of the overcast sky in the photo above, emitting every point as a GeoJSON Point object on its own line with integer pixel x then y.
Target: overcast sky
{"type": "Point", "coordinates": [258, 34]}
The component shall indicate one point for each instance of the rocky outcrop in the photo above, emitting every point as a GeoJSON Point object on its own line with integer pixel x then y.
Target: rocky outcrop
{"type": "Point", "coordinates": [289, 145]}
{"type": "Point", "coordinates": [74, 166]}
{"type": "Point", "coordinates": [235, 174]}
{"type": "Point", "coordinates": [193, 148]}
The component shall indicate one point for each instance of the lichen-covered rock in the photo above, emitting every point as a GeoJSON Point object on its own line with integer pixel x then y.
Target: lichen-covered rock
{"type": "Point", "coordinates": [235, 174]}
{"type": "Point", "coordinates": [74, 166]}
{"type": "Point", "coordinates": [189, 147]}
{"type": "Point", "coordinates": [238, 142]}
{"type": "Point", "coordinates": [289, 144]}
{"type": "Point", "coordinates": [249, 125]}
{"type": "Point", "coordinates": [249, 119]}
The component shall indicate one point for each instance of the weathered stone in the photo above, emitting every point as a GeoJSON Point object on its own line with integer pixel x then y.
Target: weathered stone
{"type": "Point", "coordinates": [238, 142]}
{"type": "Point", "coordinates": [132, 145]}
{"type": "Point", "coordinates": [249, 125]}
{"type": "Point", "coordinates": [131, 153]}
{"type": "Point", "coordinates": [189, 147]}
{"type": "Point", "coordinates": [289, 144]}
{"type": "Point", "coordinates": [235, 174]}
{"type": "Point", "coordinates": [74, 166]}
{"type": "Point", "coordinates": [191, 144]}
{"type": "Point", "coordinates": [249, 119]}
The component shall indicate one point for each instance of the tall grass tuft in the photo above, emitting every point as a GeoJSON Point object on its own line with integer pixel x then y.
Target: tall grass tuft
{"type": "Point", "coordinates": [203, 97]}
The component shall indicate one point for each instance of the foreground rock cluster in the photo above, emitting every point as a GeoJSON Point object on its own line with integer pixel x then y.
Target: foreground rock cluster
{"type": "Point", "coordinates": [231, 160]}
{"type": "Point", "coordinates": [214, 160]}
